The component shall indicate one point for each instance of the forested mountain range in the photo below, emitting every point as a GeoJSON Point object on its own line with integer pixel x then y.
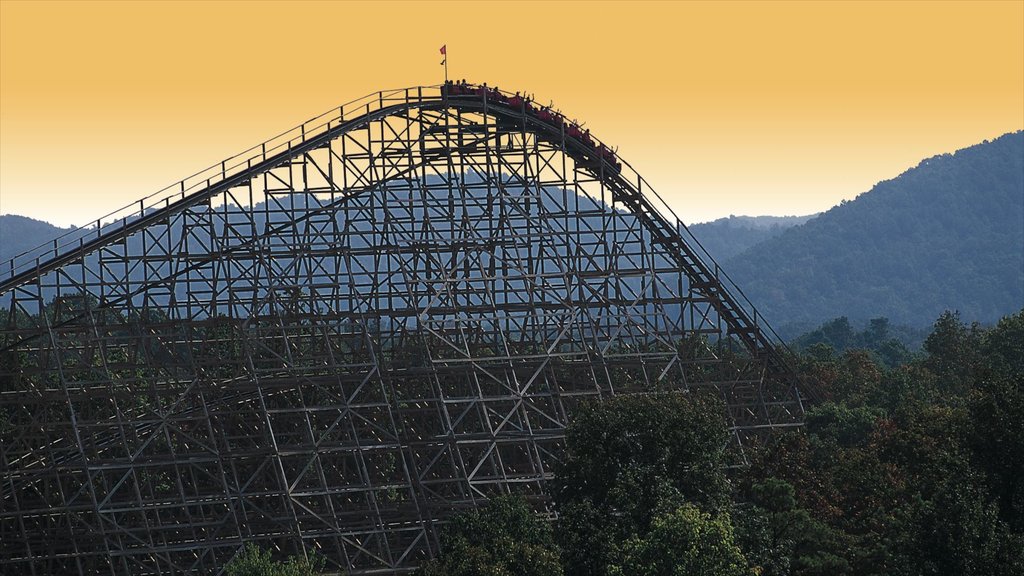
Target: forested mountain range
{"type": "Point", "coordinates": [946, 234]}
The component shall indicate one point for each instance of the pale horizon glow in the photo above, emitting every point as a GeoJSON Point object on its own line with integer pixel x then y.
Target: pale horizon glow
{"type": "Point", "coordinates": [733, 108]}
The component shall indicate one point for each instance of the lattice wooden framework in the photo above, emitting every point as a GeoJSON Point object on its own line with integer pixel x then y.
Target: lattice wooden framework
{"type": "Point", "coordinates": [334, 340]}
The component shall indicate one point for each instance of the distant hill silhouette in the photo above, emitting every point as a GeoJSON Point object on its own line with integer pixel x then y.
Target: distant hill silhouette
{"type": "Point", "coordinates": [727, 237]}
{"type": "Point", "coordinates": [947, 234]}
{"type": "Point", "coordinates": [19, 234]}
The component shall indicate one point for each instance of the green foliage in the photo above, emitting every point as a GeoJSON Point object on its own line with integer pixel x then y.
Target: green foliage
{"type": "Point", "coordinates": [504, 538]}
{"type": "Point", "coordinates": [683, 542]}
{"type": "Point", "coordinates": [839, 336]}
{"type": "Point", "coordinates": [679, 437]}
{"type": "Point", "coordinates": [908, 471]}
{"type": "Point", "coordinates": [254, 561]}
{"type": "Point", "coordinates": [841, 424]}
{"type": "Point", "coordinates": [780, 537]}
{"type": "Point", "coordinates": [996, 433]}
{"type": "Point", "coordinates": [953, 352]}
{"type": "Point", "coordinates": [630, 459]}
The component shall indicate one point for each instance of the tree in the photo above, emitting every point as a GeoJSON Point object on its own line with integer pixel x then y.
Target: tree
{"type": "Point", "coordinates": [912, 471]}
{"type": "Point", "coordinates": [841, 424]}
{"type": "Point", "coordinates": [953, 351]}
{"type": "Point", "coordinates": [683, 542]}
{"type": "Point", "coordinates": [996, 426]}
{"type": "Point", "coordinates": [781, 538]}
{"type": "Point", "coordinates": [629, 459]}
{"type": "Point", "coordinates": [504, 538]}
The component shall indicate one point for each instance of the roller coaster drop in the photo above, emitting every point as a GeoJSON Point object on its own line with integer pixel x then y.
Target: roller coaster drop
{"type": "Point", "coordinates": [333, 341]}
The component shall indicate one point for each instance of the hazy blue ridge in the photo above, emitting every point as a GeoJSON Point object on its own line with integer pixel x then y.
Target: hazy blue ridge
{"type": "Point", "coordinates": [727, 237]}
{"type": "Point", "coordinates": [19, 234]}
{"type": "Point", "coordinates": [947, 234]}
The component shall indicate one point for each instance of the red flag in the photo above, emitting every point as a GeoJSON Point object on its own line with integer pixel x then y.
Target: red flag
{"type": "Point", "coordinates": [444, 49]}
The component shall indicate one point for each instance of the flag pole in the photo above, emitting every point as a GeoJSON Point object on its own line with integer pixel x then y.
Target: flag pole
{"type": "Point", "coordinates": [444, 62]}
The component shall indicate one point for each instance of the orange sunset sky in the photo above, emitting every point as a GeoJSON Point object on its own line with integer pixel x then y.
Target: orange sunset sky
{"type": "Point", "coordinates": [725, 108]}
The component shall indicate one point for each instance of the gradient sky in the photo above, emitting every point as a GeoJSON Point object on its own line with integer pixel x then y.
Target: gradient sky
{"type": "Point", "coordinates": [725, 108]}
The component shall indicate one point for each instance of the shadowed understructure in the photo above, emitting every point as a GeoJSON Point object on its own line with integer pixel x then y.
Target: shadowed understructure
{"type": "Point", "coordinates": [334, 340]}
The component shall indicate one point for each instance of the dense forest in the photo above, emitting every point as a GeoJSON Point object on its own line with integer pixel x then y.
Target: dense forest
{"type": "Point", "coordinates": [915, 469]}
{"type": "Point", "coordinates": [909, 469]}
{"type": "Point", "coordinates": [948, 234]}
